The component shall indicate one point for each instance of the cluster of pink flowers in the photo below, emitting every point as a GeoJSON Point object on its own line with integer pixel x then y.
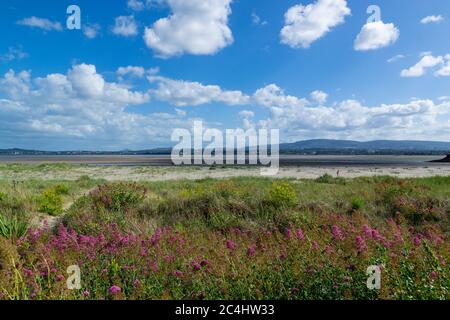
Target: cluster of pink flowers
{"type": "Point", "coordinates": [337, 233]}
{"type": "Point", "coordinates": [115, 254]}
{"type": "Point", "coordinates": [360, 244]}
{"type": "Point", "coordinates": [251, 250]}
{"type": "Point", "coordinates": [230, 245]}
{"type": "Point", "coordinates": [300, 234]}
{"type": "Point", "coordinates": [114, 290]}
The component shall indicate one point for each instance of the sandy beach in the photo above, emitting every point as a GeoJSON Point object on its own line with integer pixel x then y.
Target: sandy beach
{"type": "Point", "coordinates": [139, 173]}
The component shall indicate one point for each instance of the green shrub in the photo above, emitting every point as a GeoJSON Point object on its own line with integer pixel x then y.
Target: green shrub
{"type": "Point", "coordinates": [51, 202]}
{"type": "Point", "coordinates": [357, 204]}
{"type": "Point", "coordinates": [12, 227]}
{"type": "Point", "coordinates": [84, 181]}
{"type": "Point", "coordinates": [282, 194]}
{"type": "Point", "coordinates": [418, 210]}
{"type": "Point", "coordinates": [61, 189]}
{"type": "Point", "coordinates": [328, 179]}
{"type": "Point", "coordinates": [118, 196]}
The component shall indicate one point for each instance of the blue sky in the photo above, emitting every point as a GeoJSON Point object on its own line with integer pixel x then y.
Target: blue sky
{"type": "Point", "coordinates": [138, 69]}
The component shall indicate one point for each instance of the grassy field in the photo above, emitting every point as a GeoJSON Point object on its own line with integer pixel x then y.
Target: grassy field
{"type": "Point", "coordinates": [239, 238]}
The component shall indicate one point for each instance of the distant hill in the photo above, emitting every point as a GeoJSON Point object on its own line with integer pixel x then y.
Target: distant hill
{"type": "Point", "coordinates": [318, 146]}
{"type": "Point", "coordinates": [374, 147]}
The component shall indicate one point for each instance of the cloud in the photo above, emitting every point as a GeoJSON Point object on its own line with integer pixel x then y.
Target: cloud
{"type": "Point", "coordinates": [91, 31]}
{"type": "Point", "coordinates": [247, 114]}
{"type": "Point", "coordinates": [428, 61]}
{"type": "Point", "coordinates": [140, 5]}
{"type": "Point", "coordinates": [60, 111]}
{"type": "Point", "coordinates": [180, 112]}
{"type": "Point", "coordinates": [298, 119]}
{"type": "Point", "coordinates": [198, 27]}
{"type": "Point", "coordinates": [13, 54]}
{"type": "Point", "coordinates": [136, 5]}
{"type": "Point", "coordinates": [273, 96]}
{"type": "Point", "coordinates": [306, 24]}
{"type": "Point", "coordinates": [137, 72]}
{"type": "Point", "coordinates": [444, 71]}
{"type": "Point", "coordinates": [79, 109]}
{"type": "Point", "coordinates": [319, 96]}
{"type": "Point", "coordinates": [396, 58]}
{"type": "Point", "coordinates": [44, 24]}
{"type": "Point", "coordinates": [376, 35]}
{"type": "Point", "coordinates": [86, 81]}
{"type": "Point", "coordinates": [125, 26]}
{"type": "Point", "coordinates": [432, 19]}
{"type": "Point", "coordinates": [257, 21]}
{"type": "Point", "coordinates": [186, 93]}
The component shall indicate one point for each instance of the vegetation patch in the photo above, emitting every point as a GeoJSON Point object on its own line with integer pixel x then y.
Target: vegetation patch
{"type": "Point", "coordinates": [242, 238]}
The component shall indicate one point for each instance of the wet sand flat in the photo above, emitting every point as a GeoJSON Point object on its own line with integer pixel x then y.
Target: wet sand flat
{"type": "Point", "coordinates": [160, 168]}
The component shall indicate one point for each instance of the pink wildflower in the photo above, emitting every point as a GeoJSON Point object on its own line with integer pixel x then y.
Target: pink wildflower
{"type": "Point", "coordinates": [367, 231]}
{"type": "Point", "coordinates": [433, 275]}
{"type": "Point", "coordinates": [337, 233]}
{"type": "Point", "coordinates": [360, 244]}
{"type": "Point", "coordinates": [417, 241]}
{"type": "Point", "coordinates": [230, 245]}
{"type": "Point", "coordinates": [300, 234]}
{"type": "Point", "coordinates": [195, 265]}
{"type": "Point", "coordinates": [251, 251]}
{"type": "Point", "coordinates": [204, 263]}
{"type": "Point", "coordinates": [178, 273]}
{"type": "Point", "coordinates": [28, 272]}
{"type": "Point", "coordinates": [114, 290]}
{"type": "Point", "coordinates": [288, 234]}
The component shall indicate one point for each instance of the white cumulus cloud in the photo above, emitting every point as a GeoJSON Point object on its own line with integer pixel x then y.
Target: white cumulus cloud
{"type": "Point", "coordinates": [91, 31]}
{"type": "Point", "coordinates": [273, 96]}
{"type": "Point", "coordinates": [61, 111]}
{"type": "Point", "coordinates": [319, 96]}
{"type": "Point", "coordinates": [198, 27]}
{"type": "Point", "coordinates": [186, 93]}
{"type": "Point", "coordinates": [125, 26]}
{"type": "Point", "coordinates": [134, 71]}
{"type": "Point", "coordinates": [306, 24]}
{"type": "Point", "coordinates": [444, 71]}
{"type": "Point", "coordinates": [376, 35]}
{"type": "Point", "coordinates": [428, 61]}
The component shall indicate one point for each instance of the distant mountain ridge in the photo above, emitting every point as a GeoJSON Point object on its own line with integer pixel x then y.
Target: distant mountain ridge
{"type": "Point", "coordinates": [317, 146]}
{"type": "Point", "coordinates": [377, 145]}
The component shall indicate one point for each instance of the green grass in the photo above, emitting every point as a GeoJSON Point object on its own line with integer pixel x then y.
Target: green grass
{"type": "Point", "coordinates": [12, 227]}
